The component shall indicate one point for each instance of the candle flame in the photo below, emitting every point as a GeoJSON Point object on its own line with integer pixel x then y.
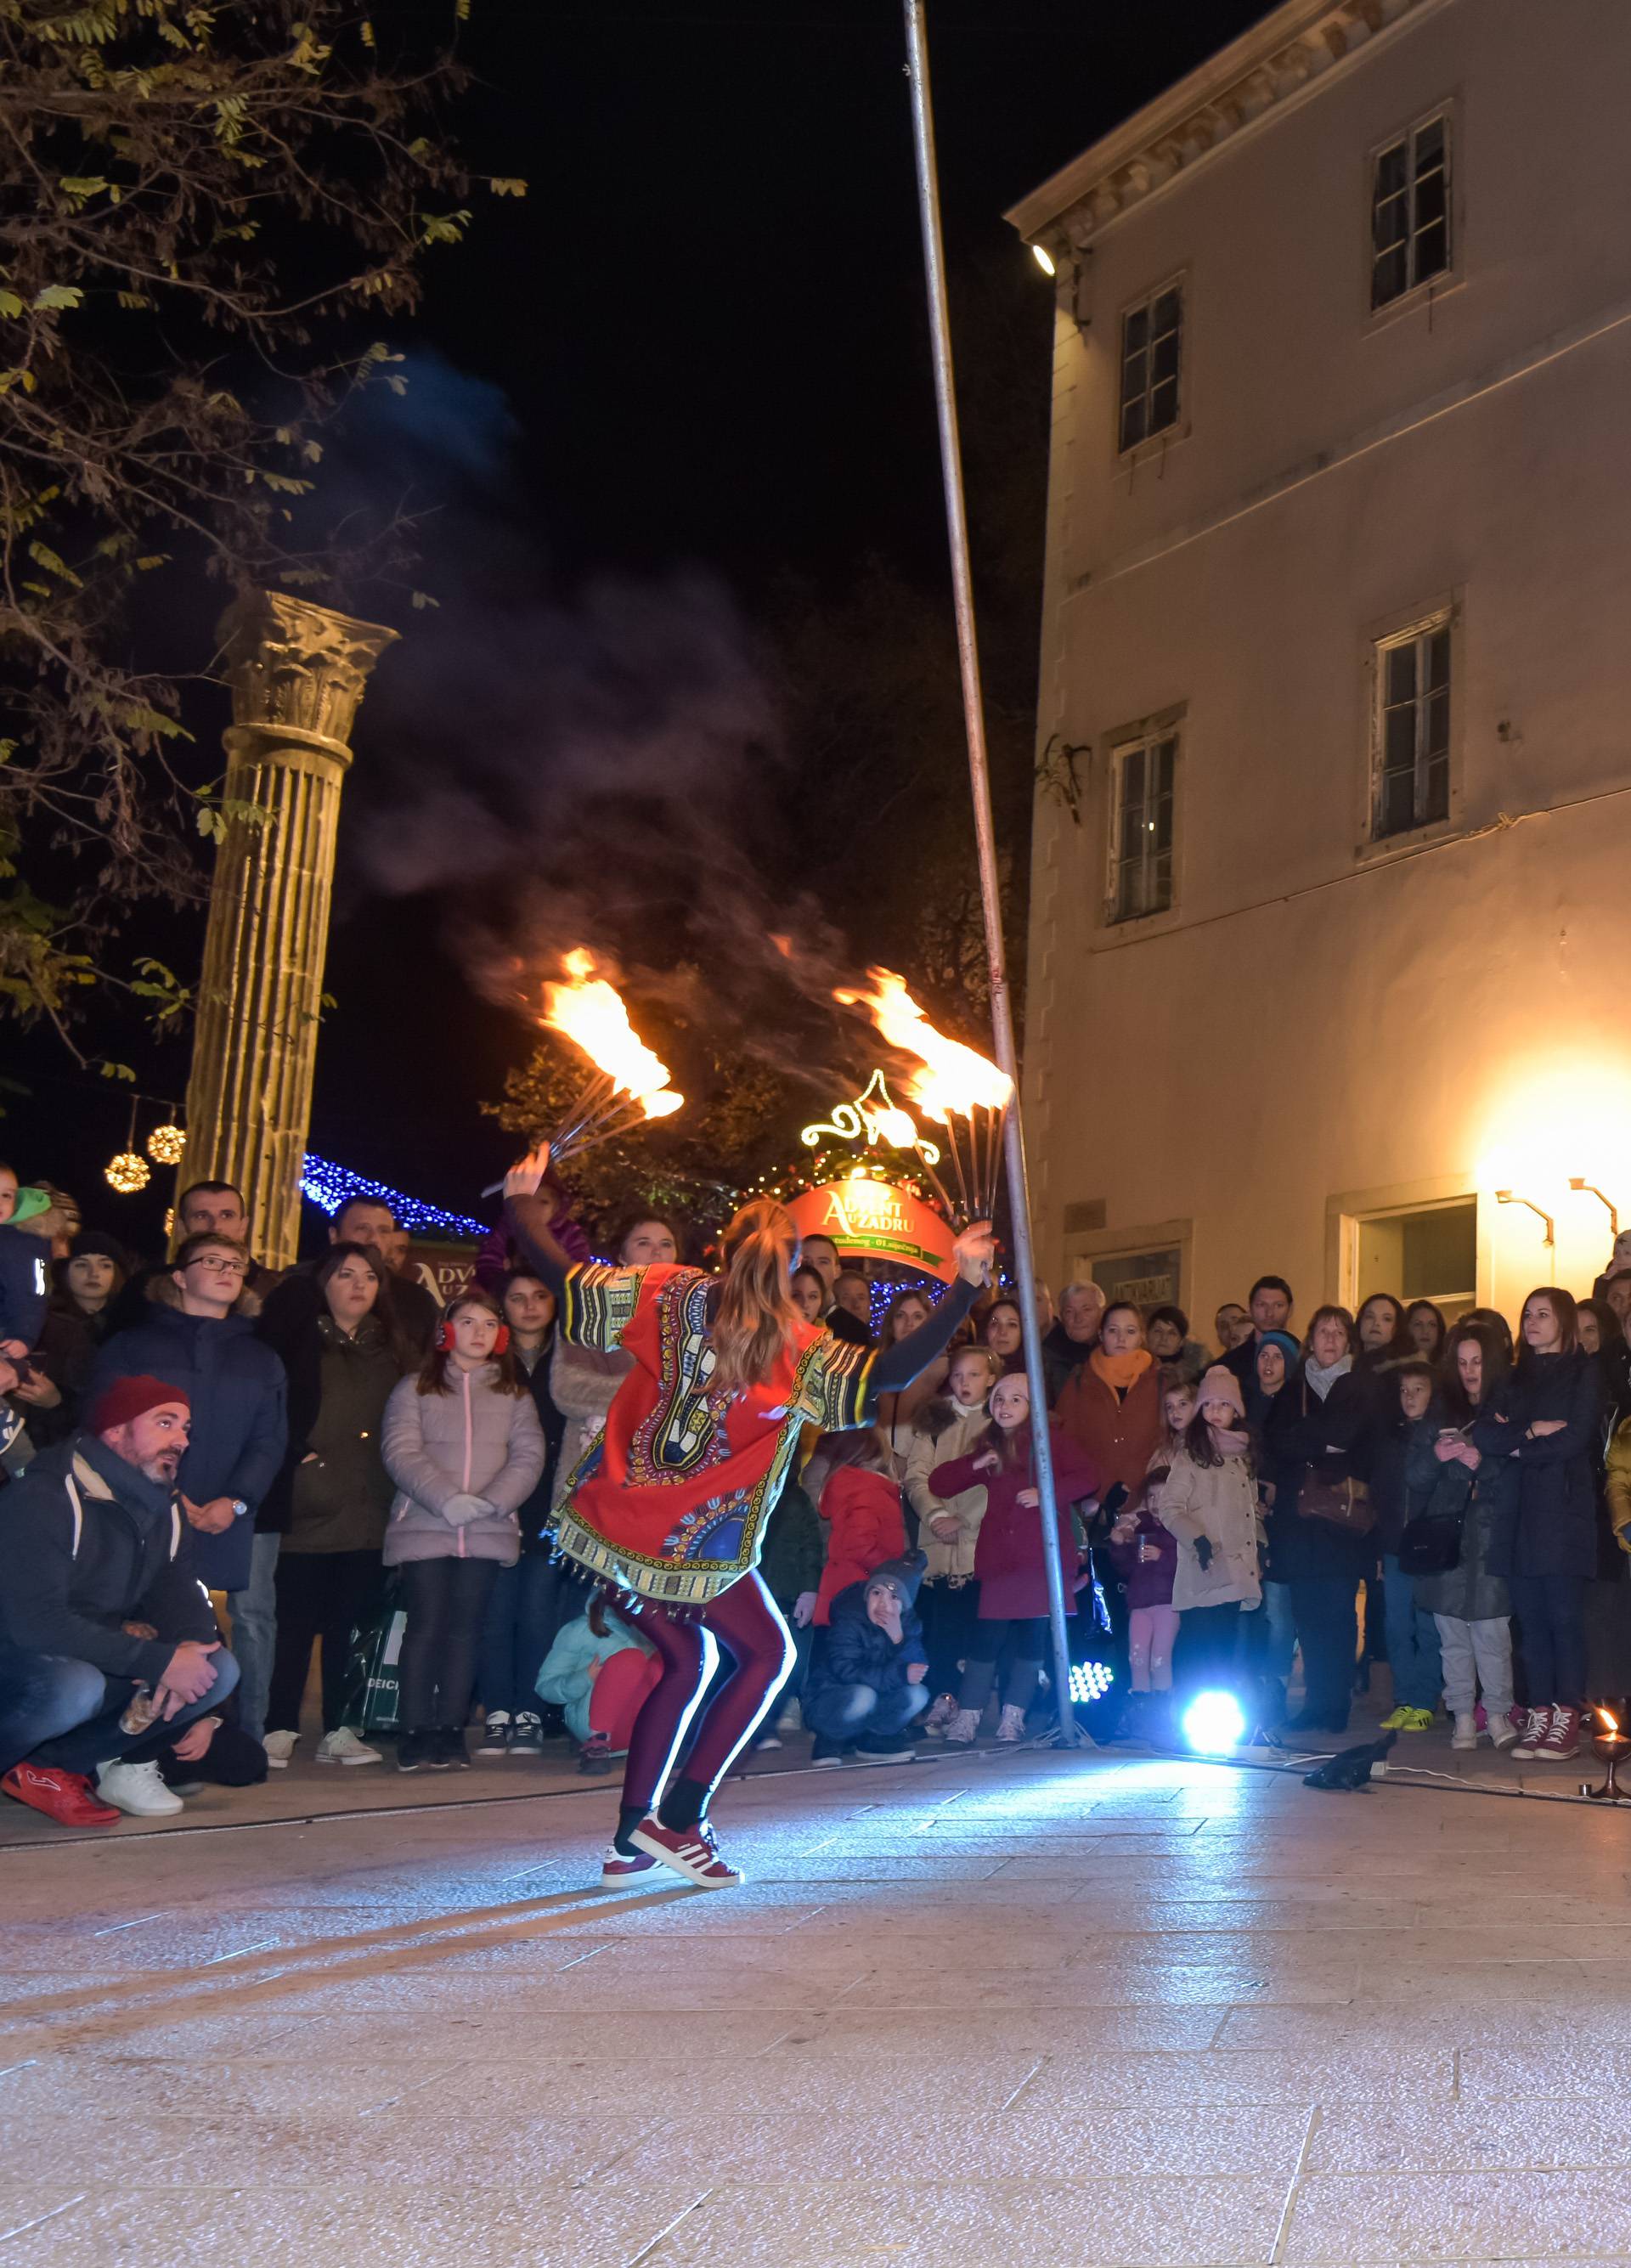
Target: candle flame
{"type": "Point", "coordinates": [1607, 1719]}
{"type": "Point", "coordinates": [587, 1011]}
{"type": "Point", "coordinates": [950, 1076]}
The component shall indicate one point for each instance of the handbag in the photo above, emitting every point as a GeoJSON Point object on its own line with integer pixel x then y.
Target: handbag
{"type": "Point", "coordinates": [371, 1686]}
{"type": "Point", "coordinates": [1343, 1503]}
{"type": "Point", "coordinates": [1430, 1544]}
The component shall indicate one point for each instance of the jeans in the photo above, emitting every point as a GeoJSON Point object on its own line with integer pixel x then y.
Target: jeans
{"type": "Point", "coordinates": [1476, 1654]}
{"type": "Point", "coordinates": [322, 1598]}
{"type": "Point", "coordinates": [949, 1613]}
{"type": "Point", "coordinates": [1551, 1610]}
{"type": "Point", "coordinates": [99, 1739]}
{"type": "Point", "coordinates": [43, 1695]}
{"type": "Point", "coordinates": [530, 1603]}
{"type": "Point", "coordinates": [1326, 1611]}
{"type": "Point", "coordinates": [1412, 1642]}
{"type": "Point", "coordinates": [1272, 1644]}
{"type": "Point", "coordinates": [253, 1611]}
{"type": "Point", "coordinates": [446, 1603]}
{"type": "Point", "coordinates": [1208, 1647]}
{"type": "Point", "coordinates": [841, 1713]}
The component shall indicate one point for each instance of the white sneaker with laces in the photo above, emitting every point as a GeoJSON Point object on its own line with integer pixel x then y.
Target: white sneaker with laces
{"type": "Point", "coordinates": [1502, 1732]}
{"type": "Point", "coordinates": [342, 1747]}
{"type": "Point", "coordinates": [279, 1748]}
{"type": "Point", "coordinates": [1536, 1726]}
{"type": "Point", "coordinates": [1465, 1735]}
{"type": "Point", "coordinates": [137, 1789]}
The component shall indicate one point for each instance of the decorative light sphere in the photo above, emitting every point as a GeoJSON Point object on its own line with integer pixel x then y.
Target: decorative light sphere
{"type": "Point", "coordinates": [128, 1173]}
{"type": "Point", "coordinates": [165, 1143]}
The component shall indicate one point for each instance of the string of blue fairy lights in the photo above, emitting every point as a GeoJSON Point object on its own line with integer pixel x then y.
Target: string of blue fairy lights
{"type": "Point", "coordinates": [329, 1186]}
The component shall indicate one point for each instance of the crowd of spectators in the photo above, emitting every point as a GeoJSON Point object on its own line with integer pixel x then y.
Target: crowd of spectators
{"type": "Point", "coordinates": [215, 1478]}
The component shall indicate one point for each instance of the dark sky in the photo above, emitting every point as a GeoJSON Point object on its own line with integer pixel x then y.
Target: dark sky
{"type": "Point", "coordinates": [700, 343]}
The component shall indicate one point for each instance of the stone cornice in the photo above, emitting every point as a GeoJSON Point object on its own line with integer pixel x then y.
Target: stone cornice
{"type": "Point", "coordinates": [1269, 66]}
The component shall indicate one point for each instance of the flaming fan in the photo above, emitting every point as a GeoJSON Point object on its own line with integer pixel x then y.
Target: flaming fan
{"type": "Point", "coordinates": [966, 1096]}
{"type": "Point", "coordinates": [630, 1084]}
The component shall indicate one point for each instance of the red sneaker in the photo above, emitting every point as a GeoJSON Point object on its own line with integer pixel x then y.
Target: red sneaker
{"type": "Point", "coordinates": [691, 1851]}
{"type": "Point", "coordinates": [616, 1869]}
{"type": "Point", "coordinates": [67, 1797]}
{"type": "Point", "coordinates": [1562, 1739]}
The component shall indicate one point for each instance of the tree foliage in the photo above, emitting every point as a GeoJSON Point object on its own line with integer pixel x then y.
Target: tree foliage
{"type": "Point", "coordinates": [208, 213]}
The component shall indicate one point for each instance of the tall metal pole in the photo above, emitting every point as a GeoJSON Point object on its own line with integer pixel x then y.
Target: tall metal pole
{"type": "Point", "coordinates": [979, 783]}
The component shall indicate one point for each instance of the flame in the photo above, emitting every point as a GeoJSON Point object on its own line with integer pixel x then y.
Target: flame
{"type": "Point", "coordinates": [588, 1012]}
{"type": "Point", "coordinates": [1607, 1719]}
{"type": "Point", "coordinates": [952, 1078]}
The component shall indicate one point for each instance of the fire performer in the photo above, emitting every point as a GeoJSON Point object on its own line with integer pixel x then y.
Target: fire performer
{"type": "Point", "coordinates": [668, 1506]}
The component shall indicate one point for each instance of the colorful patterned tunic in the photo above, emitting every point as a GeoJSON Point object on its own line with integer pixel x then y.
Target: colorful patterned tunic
{"type": "Point", "coordinates": [670, 1500]}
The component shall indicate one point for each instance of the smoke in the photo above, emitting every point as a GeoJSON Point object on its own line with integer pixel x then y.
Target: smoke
{"type": "Point", "coordinates": [600, 768]}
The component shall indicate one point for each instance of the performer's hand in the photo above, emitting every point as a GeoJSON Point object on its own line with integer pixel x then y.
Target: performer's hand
{"type": "Point", "coordinates": [525, 1178]}
{"type": "Point", "coordinates": [975, 1250]}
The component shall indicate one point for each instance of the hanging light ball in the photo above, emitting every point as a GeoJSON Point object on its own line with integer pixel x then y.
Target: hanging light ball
{"type": "Point", "coordinates": [128, 1173]}
{"type": "Point", "coordinates": [165, 1143]}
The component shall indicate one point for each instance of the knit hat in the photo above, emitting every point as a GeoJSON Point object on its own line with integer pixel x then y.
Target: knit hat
{"type": "Point", "coordinates": [902, 1575]}
{"type": "Point", "coordinates": [126, 1398]}
{"type": "Point", "coordinates": [1221, 1385]}
{"type": "Point", "coordinates": [1284, 1341]}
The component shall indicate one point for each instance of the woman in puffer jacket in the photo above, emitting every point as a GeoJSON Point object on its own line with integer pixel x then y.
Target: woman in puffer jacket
{"type": "Point", "coordinates": [949, 1527]}
{"type": "Point", "coordinates": [464, 1447]}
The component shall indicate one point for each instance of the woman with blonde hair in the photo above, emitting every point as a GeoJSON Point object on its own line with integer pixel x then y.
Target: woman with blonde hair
{"type": "Point", "coordinates": [668, 1506]}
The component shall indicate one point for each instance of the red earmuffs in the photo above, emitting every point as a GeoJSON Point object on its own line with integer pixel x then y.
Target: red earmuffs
{"type": "Point", "coordinates": [443, 1341]}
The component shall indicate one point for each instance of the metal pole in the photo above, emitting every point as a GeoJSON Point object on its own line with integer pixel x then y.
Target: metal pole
{"type": "Point", "coordinates": [979, 782]}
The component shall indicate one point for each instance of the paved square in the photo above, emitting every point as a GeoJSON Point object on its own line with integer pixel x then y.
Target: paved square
{"type": "Point", "coordinates": [1018, 2008]}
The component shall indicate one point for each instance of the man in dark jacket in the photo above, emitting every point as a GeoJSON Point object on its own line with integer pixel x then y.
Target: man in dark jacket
{"type": "Point", "coordinates": [1067, 1345]}
{"type": "Point", "coordinates": [235, 1389]}
{"type": "Point", "coordinates": [100, 1575]}
{"type": "Point", "coordinates": [1270, 1303]}
{"type": "Point", "coordinates": [296, 1302]}
{"type": "Point", "coordinates": [868, 1680]}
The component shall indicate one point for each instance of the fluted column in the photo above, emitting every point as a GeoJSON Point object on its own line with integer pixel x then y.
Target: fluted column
{"type": "Point", "coordinates": [297, 673]}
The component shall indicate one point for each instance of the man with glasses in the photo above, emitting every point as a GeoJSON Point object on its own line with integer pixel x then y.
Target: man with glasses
{"type": "Point", "coordinates": [235, 1386]}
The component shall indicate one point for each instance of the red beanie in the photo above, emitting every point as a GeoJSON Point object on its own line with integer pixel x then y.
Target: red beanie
{"type": "Point", "coordinates": [131, 1397]}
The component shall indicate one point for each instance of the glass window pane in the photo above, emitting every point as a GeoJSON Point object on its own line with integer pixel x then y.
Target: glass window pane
{"type": "Point", "coordinates": [1133, 422]}
{"type": "Point", "coordinates": [1398, 740]}
{"type": "Point", "coordinates": [1436, 739]}
{"type": "Point", "coordinates": [1432, 252]}
{"type": "Point", "coordinates": [1164, 361]}
{"type": "Point", "coordinates": [1429, 146]}
{"type": "Point", "coordinates": [1163, 405]}
{"type": "Point", "coordinates": [1435, 800]}
{"type": "Point", "coordinates": [1133, 374]}
{"type": "Point", "coordinates": [1164, 313]}
{"type": "Point", "coordinates": [1401, 672]}
{"type": "Point", "coordinates": [1438, 658]}
{"type": "Point", "coordinates": [1135, 331]}
{"type": "Point", "coordinates": [1397, 813]}
{"type": "Point", "coordinates": [1161, 882]}
{"type": "Point", "coordinates": [1391, 171]}
{"type": "Point", "coordinates": [1431, 200]}
{"type": "Point", "coordinates": [1391, 222]}
{"type": "Point", "coordinates": [1388, 278]}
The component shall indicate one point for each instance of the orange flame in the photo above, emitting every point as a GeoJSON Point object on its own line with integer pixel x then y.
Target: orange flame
{"type": "Point", "coordinates": [588, 1012]}
{"type": "Point", "coordinates": [952, 1078]}
{"type": "Point", "coordinates": [1607, 1719]}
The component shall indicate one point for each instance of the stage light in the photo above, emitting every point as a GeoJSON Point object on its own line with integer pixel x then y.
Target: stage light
{"type": "Point", "coordinates": [1090, 1680]}
{"type": "Point", "coordinates": [1214, 1722]}
{"type": "Point", "coordinates": [1043, 259]}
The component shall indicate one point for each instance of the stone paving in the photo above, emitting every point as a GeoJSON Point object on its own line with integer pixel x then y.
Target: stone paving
{"type": "Point", "coordinates": [1110, 2010]}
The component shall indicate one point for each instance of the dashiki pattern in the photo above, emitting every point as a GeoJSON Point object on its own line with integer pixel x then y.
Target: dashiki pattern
{"type": "Point", "coordinates": [669, 1501]}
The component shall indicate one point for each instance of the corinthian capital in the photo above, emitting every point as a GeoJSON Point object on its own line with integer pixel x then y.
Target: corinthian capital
{"type": "Point", "coordinates": [298, 666]}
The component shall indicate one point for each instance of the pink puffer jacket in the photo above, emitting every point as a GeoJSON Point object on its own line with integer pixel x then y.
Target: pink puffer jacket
{"type": "Point", "coordinates": [438, 1449]}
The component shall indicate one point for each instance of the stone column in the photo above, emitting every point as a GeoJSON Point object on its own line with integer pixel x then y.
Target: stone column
{"type": "Point", "coordinates": [297, 673]}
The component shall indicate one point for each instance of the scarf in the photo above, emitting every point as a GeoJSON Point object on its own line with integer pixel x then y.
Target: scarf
{"type": "Point", "coordinates": [1229, 1442]}
{"type": "Point", "coordinates": [1323, 1379]}
{"type": "Point", "coordinates": [1120, 1372]}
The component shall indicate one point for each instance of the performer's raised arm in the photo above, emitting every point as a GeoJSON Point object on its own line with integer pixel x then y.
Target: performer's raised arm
{"type": "Point", "coordinates": [898, 1364]}
{"type": "Point", "coordinates": [529, 1207]}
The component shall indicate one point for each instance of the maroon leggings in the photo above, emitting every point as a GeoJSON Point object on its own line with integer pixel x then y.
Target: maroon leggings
{"type": "Point", "coordinates": [748, 1624]}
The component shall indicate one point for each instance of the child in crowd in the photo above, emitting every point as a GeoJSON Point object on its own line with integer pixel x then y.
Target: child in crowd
{"type": "Point", "coordinates": [1008, 1561]}
{"type": "Point", "coordinates": [1144, 1554]}
{"type": "Point", "coordinates": [463, 1445]}
{"type": "Point", "coordinates": [948, 1528]}
{"type": "Point", "coordinates": [867, 1682]}
{"type": "Point", "coordinates": [1209, 1501]}
{"type": "Point", "coordinates": [599, 1671]}
{"type": "Point", "coordinates": [860, 1504]}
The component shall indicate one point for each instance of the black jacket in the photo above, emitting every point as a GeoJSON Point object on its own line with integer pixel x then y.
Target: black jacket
{"type": "Point", "coordinates": [1555, 1532]}
{"type": "Point", "coordinates": [1333, 1440]}
{"type": "Point", "coordinates": [74, 1578]}
{"type": "Point", "coordinates": [855, 1651]}
{"type": "Point", "coordinates": [24, 1283]}
{"type": "Point", "coordinates": [535, 1515]}
{"type": "Point", "coordinates": [793, 1552]}
{"type": "Point", "coordinates": [295, 1302]}
{"type": "Point", "coordinates": [1060, 1355]}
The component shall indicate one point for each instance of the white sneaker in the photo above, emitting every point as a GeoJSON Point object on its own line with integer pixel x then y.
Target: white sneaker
{"type": "Point", "coordinates": [279, 1748]}
{"type": "Point", "coordinates": [1012, 1727]}
{"type": "Point", "coordinates": [1465, 1735]}
{"type": "Point", "coordinates": [136, 1788]}
{"type": "Point", "coordinates": [344, 1747]}
{"type": "Point", "coordinates": [1502, 1732]}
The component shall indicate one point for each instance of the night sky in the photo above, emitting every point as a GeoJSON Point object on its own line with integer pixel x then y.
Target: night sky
{"type": "Point", "coordinates": [697, 350]}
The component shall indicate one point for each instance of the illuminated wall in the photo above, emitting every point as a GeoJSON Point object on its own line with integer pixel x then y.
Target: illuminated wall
{"type": "Point", "coordinates": [1323, 1030]}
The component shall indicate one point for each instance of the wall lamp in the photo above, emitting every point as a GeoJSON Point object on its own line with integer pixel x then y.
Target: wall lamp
{"type": "Point", "coordinates": [1071, 287]}
{"type": "Point", "coordinates": [1578, 1182]}
{"type": "Point", "coordinates": [1507, 1196]}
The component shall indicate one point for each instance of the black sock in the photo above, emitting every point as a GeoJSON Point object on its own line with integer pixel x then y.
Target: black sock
{"type": "Point", "coordinates": [629, 1817]}
{"type": "Point", "coordinates": [685, 1803]}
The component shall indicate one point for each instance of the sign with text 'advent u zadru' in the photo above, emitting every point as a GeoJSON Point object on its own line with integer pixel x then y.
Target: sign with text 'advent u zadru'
{"type": "Point", "coordinates": [876, 1221]}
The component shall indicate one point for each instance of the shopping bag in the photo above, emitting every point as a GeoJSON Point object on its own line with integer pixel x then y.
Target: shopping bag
{"type": "Point", "coordinates": [376, 1655]}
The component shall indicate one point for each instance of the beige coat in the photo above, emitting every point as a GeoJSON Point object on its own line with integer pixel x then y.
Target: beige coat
{"type": "Point", "coordinates": [1221, 1503]}
{"type": "Point", "coordinates": [582, 1384]}
{"type": "Point", "coordinates": [952, 1562]}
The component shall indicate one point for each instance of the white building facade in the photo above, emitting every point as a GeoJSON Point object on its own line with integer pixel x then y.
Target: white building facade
{"type": "Point", "coordinates": [1331, 911]}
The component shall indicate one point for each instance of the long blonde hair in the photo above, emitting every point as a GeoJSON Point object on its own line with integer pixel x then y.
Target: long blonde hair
{"type": "Point", "coordinates": [756, 1318]}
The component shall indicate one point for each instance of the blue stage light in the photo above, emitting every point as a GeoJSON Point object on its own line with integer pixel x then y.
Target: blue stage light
{"type": "Point", "coordinates": [1214, 1722]}
{"type": "Point", "coordinates": [1090, 1680]}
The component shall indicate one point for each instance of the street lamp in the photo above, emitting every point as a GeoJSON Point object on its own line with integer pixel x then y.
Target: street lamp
{"type": "Point", "coordinates": [1043, 259]}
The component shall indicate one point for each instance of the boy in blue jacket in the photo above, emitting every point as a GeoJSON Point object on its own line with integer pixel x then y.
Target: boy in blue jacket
{"type": "Point", "coordinates": [867, 1682]}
